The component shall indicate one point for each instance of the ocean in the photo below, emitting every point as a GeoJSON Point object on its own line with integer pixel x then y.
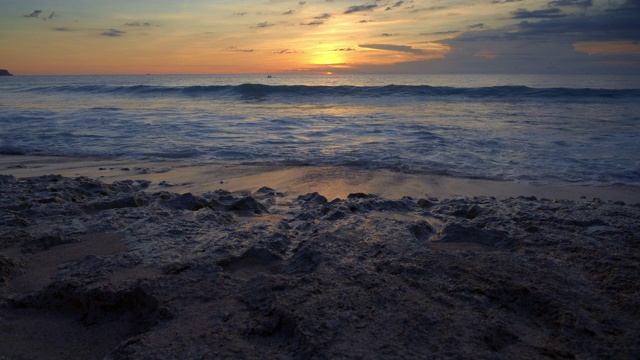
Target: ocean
{"type": "Point", "coordinates": [527, 128]}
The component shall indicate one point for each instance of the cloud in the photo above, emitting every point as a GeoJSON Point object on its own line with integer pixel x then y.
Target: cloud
{"type": "Point", "coordinates": [240, 13]}
{"type": "Point", "coordinates": [487, 54]}
{"type": "Point", "coordinates": [504, 1]}
{"type": "Point", "coordinates": [33, 14]}
{"type": "Point", "coordinates": [314, 23]}
{"type": "Point", "coordinates": [323, 16]}
{"type": "Point", "coordinates": [449, 32]}
{"type": "Point", "coordinates": [600, 40]}
{"type": "Point", "coordinates": [233, 48]}
{"type": "Point", "coordinates": [345, 49]}
{"type": "Point", "coordinates": [358, 8]}
{"type": "Point", "coordinates": [113, 33]}
{"type": "Point", "coordinates": [388, 47]}
{"type": "Point", "coordinates": [397, 4]}
{"type": "Point", "coordinates": [137, 24]}
{"type": "Point", "coordinates": [288, 12]}
{"type": "Point", "coordinates": [386, 34]}
{"type": "Point", "coordinates": [282, 52]}
{"type": "Point", "coordinates": [52, 15]}
{"type": "Point", "coordinates": [577, 3]}
{"type": "Point", "coordinates": [537, 14]}
{"type": "Point", "coordinates": [301, 3]}
{"type": "Point", "coordinates": [476, 26]}
{"type": "Point", "coordinates": [603, 27]}
{"type": "Point", "coordinates": [264, 25]}
{"type": "Point", "coordinates": [432, 8]}
{"type": "Point", "coordinates": [61, 29]}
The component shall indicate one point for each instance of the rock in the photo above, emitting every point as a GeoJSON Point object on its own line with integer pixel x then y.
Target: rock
{"type": "Point", "coordinates": [4, 72]}
{"type": "Point", "coordinates": [363, 277]}
{"type": "Point", "coordinates": [248, 205]}
{"type": "Point", "coordinates": [426, 203]}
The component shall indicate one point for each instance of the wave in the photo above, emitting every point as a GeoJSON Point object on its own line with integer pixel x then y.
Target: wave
{"type": "Point", "coordinates": [266, 92]}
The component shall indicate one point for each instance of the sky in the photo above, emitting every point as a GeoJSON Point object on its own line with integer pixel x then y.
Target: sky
{"type": "Point", "coordinates": [319, 36]}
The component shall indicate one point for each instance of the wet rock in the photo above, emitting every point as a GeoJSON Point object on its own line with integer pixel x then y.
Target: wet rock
{"type": "Point", "coordinates": [8, 267]}
{"type": "Point", "coordinates": [454, 233]}
{"type": "Point", "coordinates": [187, 202]}
{"type": "Point", "coordinates": [357, 196]}
{"type": "Point", "coordinates": [248, 205]}
{"type": "Point", "coordinates": [426, 203]}
{"type": "Point", "coordinates": [364, 277]}
{"type": "Point", "coordinates": [422, 230]}
{"type": "Point", "coordinates": [124, 202]}
{"type": "Point", "coordinates": [46, 242]}
{"type": "Point", "coordinates": [313, 198]}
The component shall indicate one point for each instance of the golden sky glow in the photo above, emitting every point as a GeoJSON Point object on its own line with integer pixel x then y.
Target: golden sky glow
{"type": "Point", "coordinates": [272, 36]}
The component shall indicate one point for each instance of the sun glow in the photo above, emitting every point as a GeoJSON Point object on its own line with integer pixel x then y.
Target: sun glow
{"type": "Point", "coordinates": [331, 57]}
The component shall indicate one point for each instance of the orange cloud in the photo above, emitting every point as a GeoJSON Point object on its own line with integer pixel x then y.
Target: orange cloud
{"type": "Point", "coordinates": [608, 47]}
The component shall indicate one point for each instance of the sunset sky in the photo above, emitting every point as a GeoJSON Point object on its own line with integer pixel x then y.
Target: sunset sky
{"type": "Point", "coordinates": [316, 36]}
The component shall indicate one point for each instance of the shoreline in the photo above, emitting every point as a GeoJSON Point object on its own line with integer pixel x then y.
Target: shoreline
{"type": "Point", "coordinates": [331, 182]}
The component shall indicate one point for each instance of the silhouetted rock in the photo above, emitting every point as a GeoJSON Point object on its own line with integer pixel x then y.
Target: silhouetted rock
{"type": "Point", "coordinates": [4, 72]}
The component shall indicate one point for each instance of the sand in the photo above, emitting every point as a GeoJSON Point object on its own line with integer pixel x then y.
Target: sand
{"type": "Point", "coordinates": [122, 260]}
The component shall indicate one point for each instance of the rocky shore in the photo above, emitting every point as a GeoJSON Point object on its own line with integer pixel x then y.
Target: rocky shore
{"type": "Point", "coordinates": [94, 270]}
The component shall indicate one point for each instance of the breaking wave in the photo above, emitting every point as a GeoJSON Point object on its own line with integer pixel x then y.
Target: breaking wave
{"type": "Point", "coordinates": [274, 92]}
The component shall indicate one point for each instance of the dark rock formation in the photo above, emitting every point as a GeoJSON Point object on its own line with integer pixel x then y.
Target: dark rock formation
{"type": "Point", "coordinates": [4, 72]}
{"type": "Point", "coordinates": [253, 275]}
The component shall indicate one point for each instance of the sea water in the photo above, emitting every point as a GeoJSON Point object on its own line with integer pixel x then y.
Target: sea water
{"type": "Point", "coordinates": [533, 128]}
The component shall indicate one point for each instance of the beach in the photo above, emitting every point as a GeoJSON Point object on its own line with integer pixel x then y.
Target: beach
{"type": "Point", "coordinates": [319, 217]}
{"type": "Point", "coordinates": [158, 259]}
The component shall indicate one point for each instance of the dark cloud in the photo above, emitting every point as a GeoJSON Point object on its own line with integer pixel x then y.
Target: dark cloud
{"type": "Point", "coordinates": [345, 49]}
{"type": "Point", "coordinates": [386, 34]}
{"type": "Point", "coordinates": [61, 29]}
{"type": "Point", "coordinates": [264, 25]}
{"type": "Point", "coordinates": [476, 26]}
{"type": "Point", "coordinates": [442, 32]}
{"type": "Point", "coordinates": [301, 3]}
{"type": "Point", "coordinates": [288, 12]}
{"type": "Point", "coordinates": [323, 16]}
{"type": "Point", "coordinates": [628, 7]}
{"type": "Point", "coordinates": [365, 21]}
{"type": "Point", "coordinates": [33, 14]}
{"type": "Point", "coordinates": [113, 33]}
{"type": "Point", "coordinates": [504, 1]}
{"type": "Point", "coordinates": [534, 45]}
{"type": "Point", "coordinates": [52, 15]}
{"type": "Point", "coordinates": [604, 27]}
{"type": "Point", "coordinates": [577, 3]}
{"type": "Point", "coordinates": [240, 13]}
{"type": "Point", "coordinates": [537, 14]}
{"type": "Point", "coordinates": [314, 23]}
{"type": "Point", "coordinates": [388, 47]}
{"type": "Point", "coordinates": [284, 51]}
{"type": "Point", "coordinates": [397, 4]}
{"type": "Point", "coordinates": [358, 8]}
{"type": "Point", "coordinates": [431, 8]}
{"type": "Point", "coordinates": [233, 48]}
{"type": "Point", "coordinates": [146, 24]}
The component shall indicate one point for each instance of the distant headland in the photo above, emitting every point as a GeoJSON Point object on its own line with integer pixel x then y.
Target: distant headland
{"type": "Point", "coordinates": [4, 72]}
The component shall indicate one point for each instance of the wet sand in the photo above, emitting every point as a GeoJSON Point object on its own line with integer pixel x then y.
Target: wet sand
{"type": "Point", "coordinates": [331, 182]}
